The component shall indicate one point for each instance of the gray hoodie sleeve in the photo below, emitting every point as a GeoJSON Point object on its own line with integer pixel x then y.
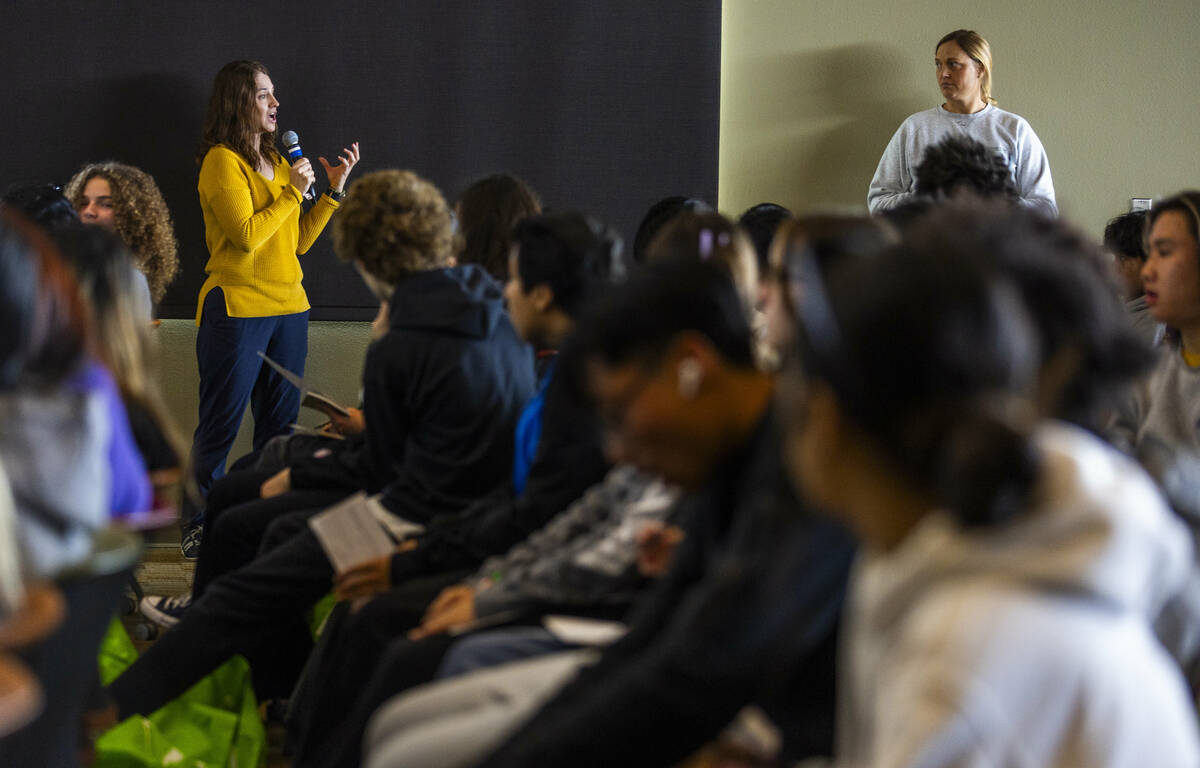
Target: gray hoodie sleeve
{"type": "Point", "coordinates": [1033, 173]}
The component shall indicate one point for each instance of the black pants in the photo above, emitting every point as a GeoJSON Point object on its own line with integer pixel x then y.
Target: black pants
{"type": "Point", "coordinates": [237, 519]}
{"type": "Point", "coordinates": [257, 611]}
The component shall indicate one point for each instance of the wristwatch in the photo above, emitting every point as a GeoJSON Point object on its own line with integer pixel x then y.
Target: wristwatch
{"type": "Point", "coordinates": [336, 196]}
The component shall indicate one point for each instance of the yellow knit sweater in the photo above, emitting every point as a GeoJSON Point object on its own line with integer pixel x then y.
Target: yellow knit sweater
{"type": "Point", "coordinates": [255, 232]}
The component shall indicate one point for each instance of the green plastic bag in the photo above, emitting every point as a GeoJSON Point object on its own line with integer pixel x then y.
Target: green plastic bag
{"type": "Point", "coordinates": [319, 613]}
{"type": "Point", "coordinates": [215, 724]}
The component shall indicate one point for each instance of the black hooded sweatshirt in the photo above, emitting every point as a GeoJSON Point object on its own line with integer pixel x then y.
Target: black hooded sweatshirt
{"type": "Point", "coordinates": [442, 392]}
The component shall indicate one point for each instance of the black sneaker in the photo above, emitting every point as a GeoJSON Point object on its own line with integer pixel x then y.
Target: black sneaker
{"type": "Point", "coordinates": [189, 542]}
{"type": "Point", "coordinates": [165, 611]}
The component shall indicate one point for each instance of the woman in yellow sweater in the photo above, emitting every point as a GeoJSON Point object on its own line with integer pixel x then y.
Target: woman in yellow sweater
{"type": "Point", "coordinates": [253, 298]}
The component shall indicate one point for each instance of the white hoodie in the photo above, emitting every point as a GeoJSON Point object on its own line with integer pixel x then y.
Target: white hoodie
{"type": "Point", "coordinates": [1028, 644]}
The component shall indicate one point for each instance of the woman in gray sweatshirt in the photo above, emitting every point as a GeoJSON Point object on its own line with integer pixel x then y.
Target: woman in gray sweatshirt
{"type": "Point", "coordinates": [964, 75]}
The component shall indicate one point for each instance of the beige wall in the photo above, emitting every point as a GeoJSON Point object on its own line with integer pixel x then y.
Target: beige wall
{"type": "Point", "coordinates": [811, 92]}
{"type": "Point", "coordinates": [335, 357]}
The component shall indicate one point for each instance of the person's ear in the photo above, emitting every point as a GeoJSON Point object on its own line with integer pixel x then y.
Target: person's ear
{"type": "Point", "coordinates": [542, 297]}
{"type": "Point", "coordinates": [694, 361]}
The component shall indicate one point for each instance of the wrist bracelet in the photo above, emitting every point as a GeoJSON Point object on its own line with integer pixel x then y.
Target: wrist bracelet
{"type": "Point", "coordinates": [336, 196]}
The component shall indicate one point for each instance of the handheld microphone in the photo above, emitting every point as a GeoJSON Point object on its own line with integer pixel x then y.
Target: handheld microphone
{"type": "Point", "coordinates": [291, 146]}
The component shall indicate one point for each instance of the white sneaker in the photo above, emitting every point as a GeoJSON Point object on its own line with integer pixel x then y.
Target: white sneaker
{"type": "Point", "coordinates": [165, 611]}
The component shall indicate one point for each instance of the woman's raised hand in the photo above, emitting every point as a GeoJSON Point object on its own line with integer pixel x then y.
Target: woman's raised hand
{"type": "Point", "coordinates": [337, 173]}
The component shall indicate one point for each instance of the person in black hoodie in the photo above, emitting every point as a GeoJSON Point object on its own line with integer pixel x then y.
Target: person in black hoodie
{"type": "Point", "coordinates": [256, 610]}
{"type": "Point", "coordinates": [443, 390]}
{"type": "Point", "coordinates": [557, 261]}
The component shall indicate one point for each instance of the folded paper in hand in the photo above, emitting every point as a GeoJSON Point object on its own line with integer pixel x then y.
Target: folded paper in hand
{"type": "Point", "coordinates": [309, 397]}
{"type": "Point", "coordinates": [579, 630]}
{"type": "Point", "coordinates": [351, 534]}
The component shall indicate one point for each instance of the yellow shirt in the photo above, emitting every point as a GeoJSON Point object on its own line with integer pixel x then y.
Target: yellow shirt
{"type": "Point", "coordinates": [255, 232]}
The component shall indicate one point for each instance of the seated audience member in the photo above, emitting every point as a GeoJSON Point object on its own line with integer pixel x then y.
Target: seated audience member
{"type": "Point", "coordinates": [827, 237]}
{"type": "Point", "coordinates": [54, 441]}
{"type": "Point", "coordinates": [43, 204]}
{"type": "Point", "coordinates": [761, 222]}
{"type": "Point", "coordinates": [256, 610]}
{"type": "Point", "coordinates": [126, 200]}
{"type": "Point", "coordinates": [102, 267]}
{"type": "Point", "coordinates": [442, 390]}
{"type": "Point", "coordinates": [712, 236]}
{"type": "Point", "coordinates": [959, 164]}
{"type": "Point", "coordinates": [1125, 239]}
{"type": "Point", "coordinates": [1070, 296]}
{"type": "Point", "coordinates": [582, 561]}
{"type": "Point", "coordinates": [129, 488]}
{"type": "Point", "coordinates": [709, 236]}
{"type": "Point", "coordinates": [669, 364]}
{"type": "Point", "coordinates": [557, 260]}
{"type": "Point", "coordinates": [487, 212]}
{"type": "Point", "coordinates": [657, 216]}
{"type": "Point", "coordinates": [485, 216]}
{"type": "Point", "coordinates": [1166, 405]}
{"type": "Point", "coordinates": [71, 464]}
{"type": "Point", "coordinates": [1007, 558]}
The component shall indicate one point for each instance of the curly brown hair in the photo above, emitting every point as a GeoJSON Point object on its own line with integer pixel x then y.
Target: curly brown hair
{"type": "Point", "coordinates": [393, 223]}
{"type": "Point", "coordinates": [140, 217]}
{"type": "Point", "coordinates": [232, 116]}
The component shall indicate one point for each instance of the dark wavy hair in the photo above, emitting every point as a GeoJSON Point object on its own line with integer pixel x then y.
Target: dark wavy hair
{"type": "Point", "coordinates": [982, 311]}
{"type": "Point", "coordinates": [1124, 235]}
{"type": "Point", "coordinates": [487, 212]}
{"type": "Point", "coordinates": [575, 255]}
{"type": "Point", "coordinates": [925, 351]}
{"type": "Point", "coordinates": [232, 116]}
{"type": "Point", "coordinates": [959, 163]}
{"type": "Point", "coordinates": [1090, 353]}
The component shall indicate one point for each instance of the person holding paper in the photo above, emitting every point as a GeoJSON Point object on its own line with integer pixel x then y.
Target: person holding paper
{"type": "Point", "coordinates": [257, 610]}
{"type": "Point", "coordinates": [253, 298]}
{"type": "Point", "coordinates": [442, 389]}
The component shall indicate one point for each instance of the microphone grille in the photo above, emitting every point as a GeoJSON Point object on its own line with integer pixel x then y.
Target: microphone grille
{"type": "Point", "coordinates": [290, 139]}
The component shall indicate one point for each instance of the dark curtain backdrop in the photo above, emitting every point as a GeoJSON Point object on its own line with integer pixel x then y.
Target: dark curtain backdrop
{"type": "Point", "coordinates": [601, 106]}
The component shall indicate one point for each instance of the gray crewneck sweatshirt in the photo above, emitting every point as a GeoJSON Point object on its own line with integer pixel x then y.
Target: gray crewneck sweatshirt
{"type": "Point", "coordinates": [1166, 405]}
{"type": "Point", "coordinates": [1008, 134]}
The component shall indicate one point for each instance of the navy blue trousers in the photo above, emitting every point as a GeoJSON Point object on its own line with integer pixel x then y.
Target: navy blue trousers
{"type": "Point", "coordinates": [232, 375]}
